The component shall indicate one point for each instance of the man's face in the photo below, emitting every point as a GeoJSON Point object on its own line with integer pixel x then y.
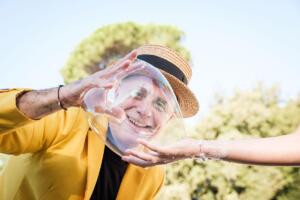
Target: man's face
{"type": "Point", "coordinates": [146, 109]}
{"type": "Point", "coordinates": [146, 106]}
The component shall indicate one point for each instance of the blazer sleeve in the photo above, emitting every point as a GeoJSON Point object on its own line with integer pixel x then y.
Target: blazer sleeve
{"type": "Point", "coordinates": [20, 134]}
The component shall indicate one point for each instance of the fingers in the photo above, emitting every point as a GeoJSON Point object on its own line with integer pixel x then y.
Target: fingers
{"type": "Point", "coordinates": [119, 70]}
{"type": "Point", "coordinates": [166, 154]}
{"type": "Point", "coordinates": [121, 73]}
{"type": "Point", "coordinates": [121, 66]}
{"type": "Point", "coordinates": [150, 158]}
{"type": "Point", "coordinates": [143, 156]}
{"type": "Point", "coordinates": [108, 85]}
{"type": "Point", "coordinates": [130, 56]}
{"type": "Point", "coordinates": [154, 147]}
{"type": "Point", "coordinates": [144, 159]}
{"type": "Point", "coordinates": [125, 61]}
{"type": "Point", "coordinates": [117, 113]}
{"type": "Point", "coordinates": [136, 161]}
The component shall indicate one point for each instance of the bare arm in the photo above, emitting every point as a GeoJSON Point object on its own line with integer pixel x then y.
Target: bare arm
{"type": "Point", "coordinates": [281, 150]}
{"type": "Point", "coordinates": [39, 103]}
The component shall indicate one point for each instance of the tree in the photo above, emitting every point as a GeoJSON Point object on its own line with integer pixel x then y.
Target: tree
{"type": "Point", "coordinates": [110, 42]}
{"type": "Point", "coordinates": [255, 113]}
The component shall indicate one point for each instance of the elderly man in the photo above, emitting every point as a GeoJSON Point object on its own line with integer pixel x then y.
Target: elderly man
{"type": "Point", "coordinates": [57, 155]}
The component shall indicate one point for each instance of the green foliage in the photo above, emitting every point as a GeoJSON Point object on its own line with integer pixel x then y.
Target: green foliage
{"type": "Point", "coordinates": [111, 42]}
{"type": "Point", "coordinates": [254, 113]}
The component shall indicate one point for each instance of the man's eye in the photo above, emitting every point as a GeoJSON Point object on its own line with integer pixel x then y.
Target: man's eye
{"type": "Point", "coordinates": [141, 94]}
{"type": "Point", "coordinates": [138, 95]}
{"type": "Point", "coordinates": [160, 105]}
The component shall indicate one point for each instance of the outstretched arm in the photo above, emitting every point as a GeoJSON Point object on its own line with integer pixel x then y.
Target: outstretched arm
{"type": "Point", "coordinates": [280, 150]}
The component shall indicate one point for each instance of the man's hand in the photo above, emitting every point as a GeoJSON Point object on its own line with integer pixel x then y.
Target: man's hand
{"type": "Point", "coordinates": [71, 94]}
{"type": "Point", "coordinates": [39, 103]}
{"type": "Point", "coordinates": [157, 155]}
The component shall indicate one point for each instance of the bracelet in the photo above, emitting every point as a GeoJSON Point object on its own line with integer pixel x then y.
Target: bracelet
{"type": "Point", "coordinates": [201, 155]}
{"type": "Point", "coordinates": [217, 151]}
{"type": "Point", "coordinates": [58, 98]}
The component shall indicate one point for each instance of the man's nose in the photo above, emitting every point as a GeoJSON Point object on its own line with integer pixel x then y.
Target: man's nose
{"type": "Point", "coordinates": [145, 110]}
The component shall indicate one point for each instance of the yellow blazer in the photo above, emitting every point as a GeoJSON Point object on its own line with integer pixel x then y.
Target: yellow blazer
{"type": "Point", "coordinates": [58, 157]}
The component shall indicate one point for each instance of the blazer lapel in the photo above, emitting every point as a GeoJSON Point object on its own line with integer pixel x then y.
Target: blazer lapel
{"type": "Point", "coordinates": [95, 156]}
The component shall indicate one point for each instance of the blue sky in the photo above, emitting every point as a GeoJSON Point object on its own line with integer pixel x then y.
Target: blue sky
{"type": "Point", "coordinates": [234, 44]}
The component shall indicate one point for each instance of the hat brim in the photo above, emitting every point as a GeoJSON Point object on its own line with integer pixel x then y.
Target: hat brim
{"type": "Point", "coordinates": [187, 101]}
{"type": "Point", "coordinates": [176, 70]}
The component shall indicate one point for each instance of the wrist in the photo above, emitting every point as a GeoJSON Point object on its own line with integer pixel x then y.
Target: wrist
{"type": "Point", "coordinates": [200, 153]}
{"type": "Point", "coordinates": [212, 149]}
{"type": "Point", "coordinates": [69, 95]}
{"type": "Point", "coordinates": [59, 99]}
{"type": "Point", "coordinates": [215, 149]}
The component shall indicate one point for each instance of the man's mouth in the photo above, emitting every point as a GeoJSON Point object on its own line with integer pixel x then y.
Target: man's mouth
{"type": "Point", "coordinates": [138, 124]}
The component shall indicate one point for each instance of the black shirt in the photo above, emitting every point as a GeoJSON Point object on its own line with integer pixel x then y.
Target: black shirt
{"type": "Point", "coordinates": [110, 176]}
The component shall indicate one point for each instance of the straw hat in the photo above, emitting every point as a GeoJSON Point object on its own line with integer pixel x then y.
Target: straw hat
{"type": "Point", "coordinates": [176, 70]}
